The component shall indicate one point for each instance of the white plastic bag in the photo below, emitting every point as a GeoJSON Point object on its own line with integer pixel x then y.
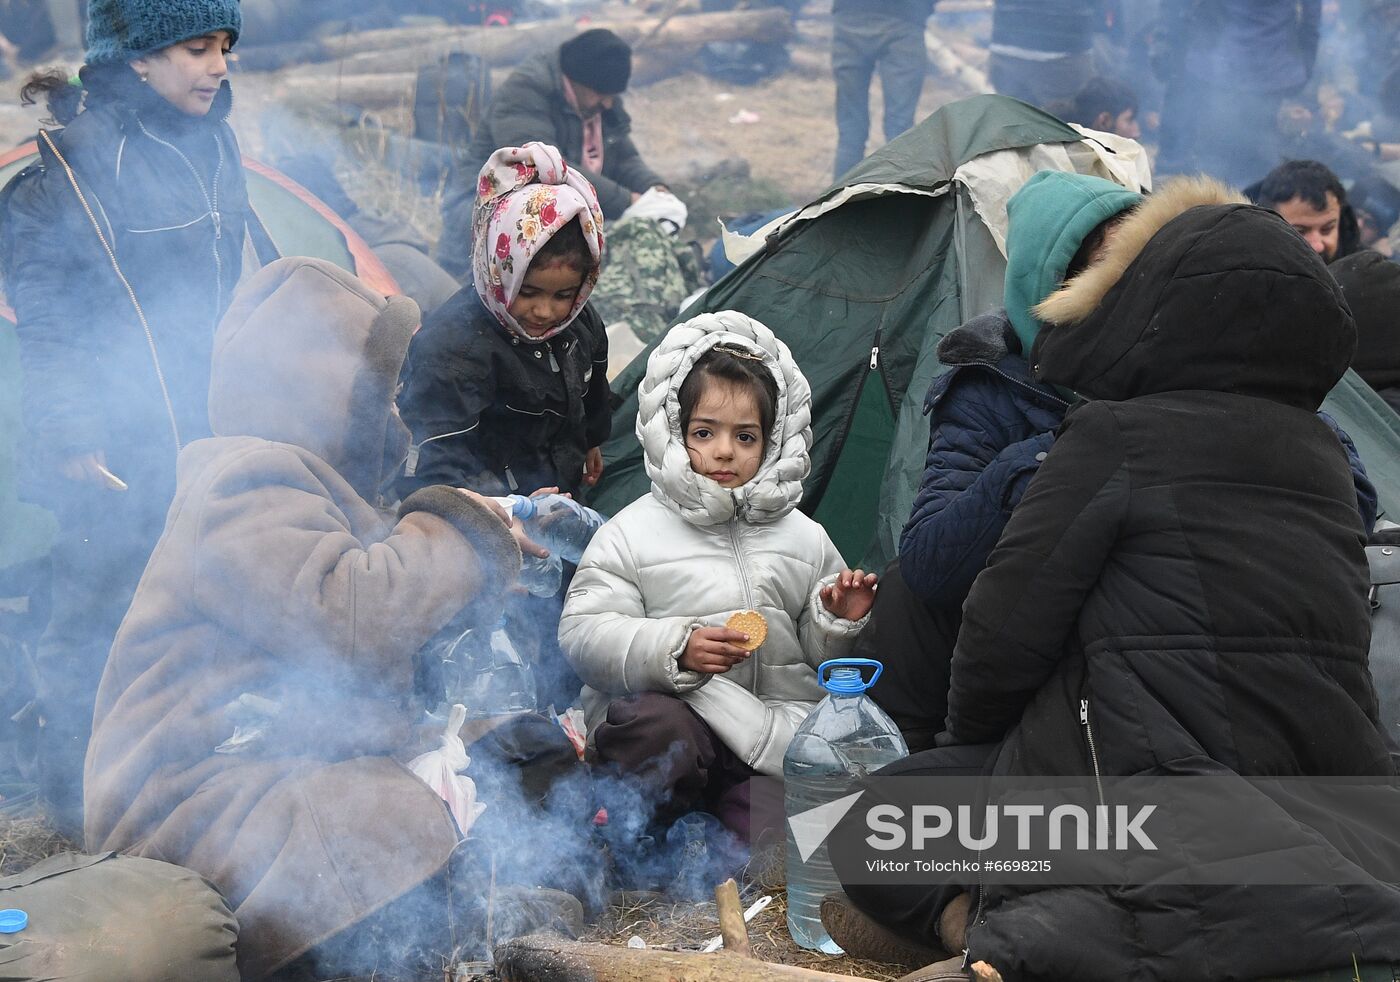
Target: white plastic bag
{"type": "Point", "coordinates": [442, 769]}
{"type": "Point", "coordinates": [659, 205]}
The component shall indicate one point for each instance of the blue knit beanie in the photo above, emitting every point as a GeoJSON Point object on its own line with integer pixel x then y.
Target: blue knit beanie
{"type": "Point", "coordinates": [120, 30]}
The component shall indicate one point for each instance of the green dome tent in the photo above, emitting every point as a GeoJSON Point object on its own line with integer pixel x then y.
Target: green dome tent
{"type": "Point", "coordinates": [864, 282]}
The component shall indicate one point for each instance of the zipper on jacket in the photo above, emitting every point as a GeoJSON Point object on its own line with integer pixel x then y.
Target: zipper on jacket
{"type": "Point", "coordinates": [1093, 748]}
{"type": "Point", "coordinates": [130, 292]}
{"type": "Point", "coordinates": [211, 200]}
{"type": "Point", "coordinates": [1018, 382]}
{"type": "Point", "coordinates": [977, 914]}
{"type": "Point", "coordinates": [553, 363]}
{"type": "Point", "coordinates": [748, 604]}
{"type": "Point", "coordinates": [875, 356]}
{"type": "Point", "coordinates": [510, 480]}
{"type": "Point", "coordinates": [739, 561]}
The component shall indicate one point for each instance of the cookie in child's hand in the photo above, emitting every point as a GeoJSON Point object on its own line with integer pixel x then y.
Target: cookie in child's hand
{"type": "Point", "coordinates": [748, 622]}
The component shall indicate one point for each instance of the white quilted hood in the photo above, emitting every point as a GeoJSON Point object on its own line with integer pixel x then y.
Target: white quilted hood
{"type": "Point", "coordinates": [777, 487]}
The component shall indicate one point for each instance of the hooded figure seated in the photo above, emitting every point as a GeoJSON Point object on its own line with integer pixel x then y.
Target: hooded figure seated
{"type": "Point", "coordinates": [1181, 595]}
{"type": "Point", "coordinates": [261, 691]}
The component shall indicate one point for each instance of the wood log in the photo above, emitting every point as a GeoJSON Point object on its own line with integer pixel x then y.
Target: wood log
{"type": "Point", "coordinates": [540, 958]}
{"type": "Point", "coordinates": [964, 6]}
{"type": "Point", "coordinates": [948, 64]}
{"type": "Point", "coordinates": [394, 90]}
{"type": "Point", "coordinates": [731, 919]}
{"type": "Point", "coordinates": [506, 46]}
{"type": "Point", "coordinates": [365, 91]}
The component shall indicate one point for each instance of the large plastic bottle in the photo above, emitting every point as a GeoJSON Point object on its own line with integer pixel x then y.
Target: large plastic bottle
{"type": "Point", "coordinates": [561, 525]}
{"type": "Point", "coordinates": [484, 671]}
{"type": "Point", "coordinates": [846, 737]}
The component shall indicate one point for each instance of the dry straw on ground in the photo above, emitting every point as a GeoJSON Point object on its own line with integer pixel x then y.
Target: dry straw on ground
{"type": "Point", "coordinates": [25, 841]}
{"type": "Point", "coordinates": [688, 926]}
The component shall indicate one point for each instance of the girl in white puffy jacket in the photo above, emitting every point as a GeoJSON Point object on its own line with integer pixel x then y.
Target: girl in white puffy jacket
{"type": "Point", "coordinates": [671, 694]}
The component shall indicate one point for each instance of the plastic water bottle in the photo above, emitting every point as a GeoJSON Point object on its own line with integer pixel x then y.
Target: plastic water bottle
{"type": "Point", "coordinates": [846, 737]}
{"type": "Point", "coordinates": [484, 671]}
{"type": "Point", "coordinates": [561, 525]}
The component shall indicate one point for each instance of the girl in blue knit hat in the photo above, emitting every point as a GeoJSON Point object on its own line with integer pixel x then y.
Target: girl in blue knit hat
{"type": "Point", "coordinates": [120, 250]}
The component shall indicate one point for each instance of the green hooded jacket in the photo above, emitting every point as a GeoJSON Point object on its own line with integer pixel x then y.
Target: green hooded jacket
{"type": "Point", "coordinates": [1049, 218]}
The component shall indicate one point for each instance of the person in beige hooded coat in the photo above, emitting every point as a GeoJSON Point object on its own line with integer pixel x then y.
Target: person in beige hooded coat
{"type": "Point", "coordinates": [277, 578]}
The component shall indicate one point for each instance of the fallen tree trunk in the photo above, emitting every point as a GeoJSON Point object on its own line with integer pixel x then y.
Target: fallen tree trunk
{"type": "Point", "coordinates": [506, 46]}
{"type": "Point", "coordinates": [538, 958]}
{"type": "Point", "coordinates": [365, 91]}
{"type": "Point", "coordinates": [947, 63]}
{"type": "Point", "coordinates": [393, 90]}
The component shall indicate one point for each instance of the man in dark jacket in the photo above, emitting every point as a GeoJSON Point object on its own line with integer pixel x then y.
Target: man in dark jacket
{"type": "Point", "coordinates": [1229, 66]}
{"type": "Point", "coordinates": [1040, 49]}
{"type": "Point", "coordinates": [870, 34]}
{"type": "Point", "coordinates": [1313, 200]}
{"type": "Point", "coordinates": [570, 99]}
{"type": "Point", "coordinates": [1181, 592]}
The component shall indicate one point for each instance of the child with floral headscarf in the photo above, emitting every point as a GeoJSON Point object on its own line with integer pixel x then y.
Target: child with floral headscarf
{"type": "Point", "coordinates": [506, 388]}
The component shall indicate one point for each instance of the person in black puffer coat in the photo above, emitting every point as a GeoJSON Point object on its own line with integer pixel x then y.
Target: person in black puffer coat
{"type": "Point", "coordinates": [1182, 591]}
{"type": "Point", "coordinates": [991, 424]}
{"type": "Point", "coordinates": [151, 162]}
{"type": "Point", "coordinates": [1371, 284]}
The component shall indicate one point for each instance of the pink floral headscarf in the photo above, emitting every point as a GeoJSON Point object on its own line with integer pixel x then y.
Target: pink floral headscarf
{"type": "Point", "coordinates": [523, 197]}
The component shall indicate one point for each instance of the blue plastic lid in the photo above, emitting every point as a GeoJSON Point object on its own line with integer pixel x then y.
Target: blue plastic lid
{"type": "Point", "coordinates": [845, 677]}
{"type": "Point", "coordinates": [13, 921]}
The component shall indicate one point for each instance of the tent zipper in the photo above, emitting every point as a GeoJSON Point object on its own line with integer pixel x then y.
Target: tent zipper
{"type": "Point", "coordinates": [811, 501]}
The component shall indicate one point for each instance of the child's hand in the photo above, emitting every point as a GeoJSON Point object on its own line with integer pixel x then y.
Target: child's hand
{"type": "Point", "coordinates": [851, 596]}
{"type": "Point", "coordinates": [712, 650]}
{"type": "Point", "coordinates": [593, 466]}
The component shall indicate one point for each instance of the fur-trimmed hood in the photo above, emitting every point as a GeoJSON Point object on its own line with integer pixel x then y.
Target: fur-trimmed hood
{"type": "Point", "coordinates": [1199, 290]}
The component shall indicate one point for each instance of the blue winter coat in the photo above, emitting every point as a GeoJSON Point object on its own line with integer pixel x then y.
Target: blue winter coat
{"type": "Point", "coordinates": [991, 425]}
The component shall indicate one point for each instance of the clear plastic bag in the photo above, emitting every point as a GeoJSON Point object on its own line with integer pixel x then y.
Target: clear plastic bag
{"type": "Point", "coordinates": [252, 717]}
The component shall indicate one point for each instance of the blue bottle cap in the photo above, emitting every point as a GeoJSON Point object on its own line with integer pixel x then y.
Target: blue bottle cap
{"type": "Point", "coordinates": [13, 921]}
{"type": "Point", "coordinates": [842, 675]}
